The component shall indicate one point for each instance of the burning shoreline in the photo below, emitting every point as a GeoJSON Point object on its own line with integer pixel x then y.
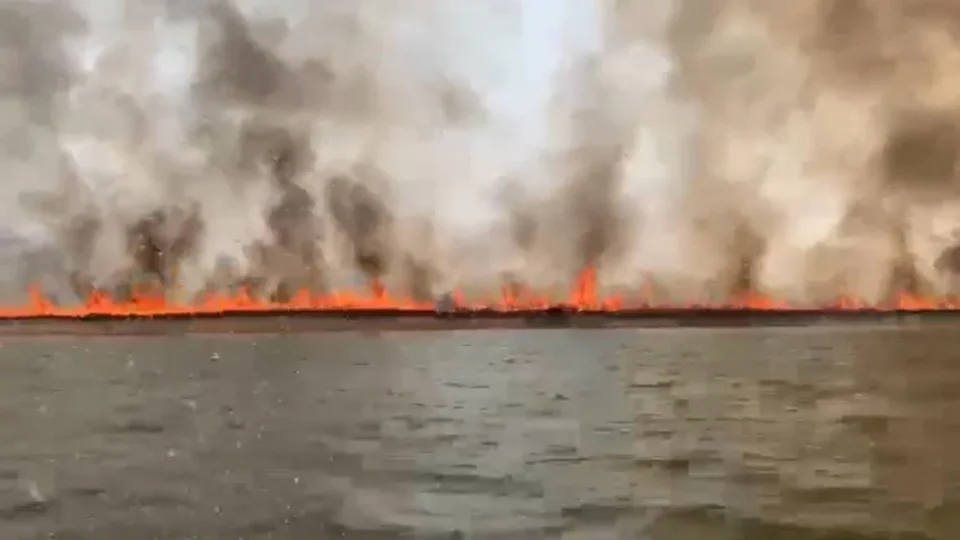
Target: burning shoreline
{"type": "Point", "coordinates": [584, 301]}
{"type": "Point", "coordinates": [236, 155]}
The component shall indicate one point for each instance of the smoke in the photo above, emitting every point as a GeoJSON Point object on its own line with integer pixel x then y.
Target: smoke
{"type": "Point", "coordinates": [700, 150]}
{"type": "Point", "coordinates": [828, 147]}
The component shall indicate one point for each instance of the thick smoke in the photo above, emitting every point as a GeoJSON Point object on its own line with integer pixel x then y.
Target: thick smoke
{"type": "Point", "coordinates": [698, 150]}
{"type": "Point", "coordinates": [828, 144]}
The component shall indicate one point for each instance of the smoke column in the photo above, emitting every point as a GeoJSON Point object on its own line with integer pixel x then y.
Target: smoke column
{"type": "Point", "coordinates": [700, 150]}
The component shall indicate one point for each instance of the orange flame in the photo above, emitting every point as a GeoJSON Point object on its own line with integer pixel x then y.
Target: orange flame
{"type": "Point", "coordinates": [584, 297]}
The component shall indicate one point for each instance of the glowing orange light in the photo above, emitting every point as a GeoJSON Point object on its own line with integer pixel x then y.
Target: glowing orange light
{"type": "Point", "coordinates": [583, 297]}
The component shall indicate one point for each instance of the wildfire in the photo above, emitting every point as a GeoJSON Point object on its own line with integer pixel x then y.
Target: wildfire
{"type": "Point", "coordinates": [584, 298]}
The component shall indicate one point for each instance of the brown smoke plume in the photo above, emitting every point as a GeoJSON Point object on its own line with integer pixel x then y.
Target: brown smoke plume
{"type": "Point", "coordinates": [828, 146]}
{"type": "Point", "coordinates": [805, 150]}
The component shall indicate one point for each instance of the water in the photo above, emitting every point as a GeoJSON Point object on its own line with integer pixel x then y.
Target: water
{"type": "Point", "coordinates": [789, 433]}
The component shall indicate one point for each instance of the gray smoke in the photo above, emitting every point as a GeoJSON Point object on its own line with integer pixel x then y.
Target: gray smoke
{"type": "Point", "coordinates": [699, 150]}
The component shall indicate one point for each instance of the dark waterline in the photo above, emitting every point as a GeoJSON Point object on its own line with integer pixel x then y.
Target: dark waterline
{"type": "Point", "coordinates": [675, 433]}
{"type": "Point", "coordinates": [281, 321]}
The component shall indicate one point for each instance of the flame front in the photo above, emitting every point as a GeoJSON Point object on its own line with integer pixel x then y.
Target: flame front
{"type": "Point", "coordinates": [584, 298]}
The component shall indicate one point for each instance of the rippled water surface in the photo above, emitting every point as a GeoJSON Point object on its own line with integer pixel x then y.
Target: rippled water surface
{"type": "Point", "coordinates": [789, 433]}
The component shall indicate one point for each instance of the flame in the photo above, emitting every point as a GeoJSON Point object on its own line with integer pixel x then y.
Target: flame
{"type": "Point", "coordinates": [583, 298]}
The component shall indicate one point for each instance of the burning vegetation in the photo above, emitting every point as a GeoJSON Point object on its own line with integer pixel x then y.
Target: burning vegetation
{"type": "Point", "coordinates": [219, 156]}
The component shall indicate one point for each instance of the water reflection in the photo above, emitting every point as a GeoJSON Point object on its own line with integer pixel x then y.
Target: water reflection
{"type": "Point", "coordinates": [673, 434]}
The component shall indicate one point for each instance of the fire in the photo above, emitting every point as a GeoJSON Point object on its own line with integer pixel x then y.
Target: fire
{"type": "Point", "coordinates": [583, 298]}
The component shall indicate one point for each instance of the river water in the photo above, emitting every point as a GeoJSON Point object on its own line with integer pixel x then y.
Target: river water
{"type": "Point", "coordinates": [830, 432]}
